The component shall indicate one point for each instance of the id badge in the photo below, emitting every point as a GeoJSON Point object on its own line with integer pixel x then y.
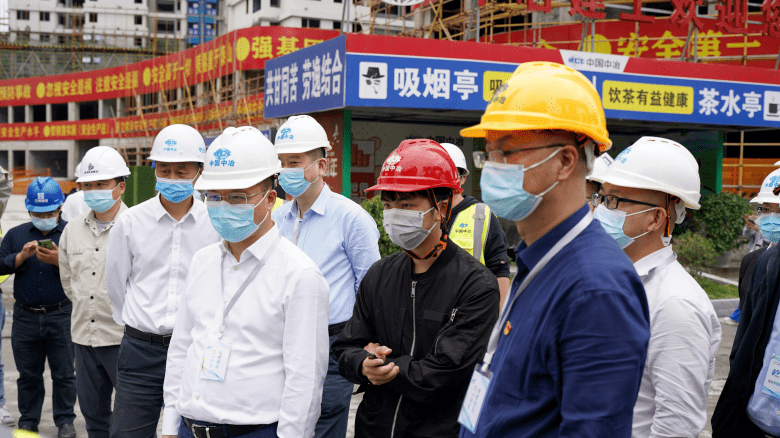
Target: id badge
{"type": "Point", "coordinates": [475, 399]}
{"type": "Point", "coordinates": [215, 359]}
{"type": "Point", "coordinates": [772, 381]}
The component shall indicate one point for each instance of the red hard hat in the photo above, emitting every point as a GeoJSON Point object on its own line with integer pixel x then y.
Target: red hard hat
{"type": "Point", "coordinates": [418, 165]}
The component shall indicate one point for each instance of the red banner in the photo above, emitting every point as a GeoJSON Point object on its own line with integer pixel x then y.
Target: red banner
{"type": "Point", "coordinates": [243, 49]}
{"type": "Point", "coordinates": [206, 118]}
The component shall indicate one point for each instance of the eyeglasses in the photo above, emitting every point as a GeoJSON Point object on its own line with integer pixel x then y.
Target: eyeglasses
{"type": "Point", "coordinates": [612, 201]}
{"type": "Point", "coordinates": [767, 210]}
{"type": "Point", "coordinates": [232, 198]}
{"type": "Point", "coordinates": [499, 155]}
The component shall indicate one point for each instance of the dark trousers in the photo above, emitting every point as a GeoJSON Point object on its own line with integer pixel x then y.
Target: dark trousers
{"type": "Point", "coordinates": [139, 389]}
{"type": "Point", "coordinates": [96, 380]}
{"type": "Point", "coordinates": [268, 431]}
{"type": "Point", "coordinates": [34, 339]}
{"type": "Point", "coordinates": [336, 395]}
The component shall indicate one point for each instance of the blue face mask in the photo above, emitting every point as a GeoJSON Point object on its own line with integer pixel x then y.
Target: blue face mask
{"type": "Point", "coordinates": [502, 189]}
{"type": "Point", "coordinates": [613, 220]}
{"type": "Point", "coordinates": [174, 190]}
{"type": "Point", "coordinates": [234, 223]}
{"type": "Point", "coordinates": [100, 201]}
{"type": "Point", "coordinates": [770, 227]}
{"type": "Point", "coordinates": [44, 224]}
{"type": "Point", "coordinates": [292, 181]}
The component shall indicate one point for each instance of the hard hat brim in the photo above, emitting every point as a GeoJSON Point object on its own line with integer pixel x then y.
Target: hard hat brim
{"type": "Point", "coordinates": [223, 181]}
{"type": "Point", "coordinates": [400, 187]}
{"type": "Point", "coordinates": [540, 124]}
{"type": "Point", "coordinates": [765, 197]}
{"type": "Point", "coordinates": [175, 160]}
{"type": "Point", "coordinates": [300, 149]}
{"type": "Point", "coordinates": [91, 178]}
{"type": "Point", "coordinates": [649, 185]}
{"type": "Point", "coordinates": [43, 209]}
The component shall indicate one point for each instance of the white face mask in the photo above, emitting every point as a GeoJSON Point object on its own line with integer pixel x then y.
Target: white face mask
{"type": "Point", "coordinates": [404, 227]}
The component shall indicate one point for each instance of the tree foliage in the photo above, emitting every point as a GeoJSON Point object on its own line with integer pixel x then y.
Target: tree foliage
{"type": "Point", "coordinates": [374, 207]}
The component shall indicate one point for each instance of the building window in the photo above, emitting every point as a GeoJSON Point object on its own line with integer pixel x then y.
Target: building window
{"type": "Point", "coordinates": [336, 25]}
{"type": "Point", "coordinates": [165, 7]}
{"type": "Point", "coordinates": [92, 17]}
{"type": "Point", "coordinates": [45, 38]}
{"type": "Point", "coordinates": [337, 1]}
{"type": "Point", "coordinates": [139, 20]}
{"type": "Point", "coordinates": [139, 1]}
{"type": "Point", "coordinates": [165, 26]}
{"type": "Point", "coordinates": [22, 15]}
{"type": "Point", "coordinates": [275, 3]}
{"type": "Point", "coordinates": [256, 4]}
{"type": "Point", "coordinates": [139, 42]}
{"type": "Point", "coordinates": [44, 16]}
{"type": "Point", "coordinates": [310, 22]}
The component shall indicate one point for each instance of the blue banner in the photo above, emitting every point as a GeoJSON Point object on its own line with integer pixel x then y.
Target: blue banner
{"type": "Point", "coordinates": [307, 80]}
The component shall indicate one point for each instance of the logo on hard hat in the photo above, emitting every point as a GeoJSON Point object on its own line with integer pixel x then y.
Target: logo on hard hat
{"type": "Point", "coordinates": [285, 134]}
{"type": "Point", "coordinates": [773, 182]}
{"type": "Point", "coordinates": [220, 159]}
{"type": "Point", "coordinates": [42, 198]}
{"type": "Point", "coordinates": [463, 225]}
{"type": "Point", "coordinates": [622, 156]}
{"type": "Point", "coordinates": [390, 163]}
{"type": "Point", "coordinates": [171, 144]}
{"type": "Point", "coordinates": [497, 94]}
{"type": "Point", "coordinates": [91, 169]}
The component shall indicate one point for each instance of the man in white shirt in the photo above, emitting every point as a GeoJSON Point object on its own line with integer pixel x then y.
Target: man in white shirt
{"type": "Point", "coordinates": [150, 249]}
{"type": "Point", "coordinates": [82, 262]}
{"type": "Point", "coordinates": [249, 350]}
{"type": "Point", "coordinates": [643, 193]}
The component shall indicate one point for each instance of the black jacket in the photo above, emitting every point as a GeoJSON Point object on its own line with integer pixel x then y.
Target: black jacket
{"type": "Point", "coordinates": [448, 319]}
{"type": "Point", "coordinates": [496, 256]}
{"type": "Point", "coordinates": [747, 355]}
{"type": "Point", "coordinates": [746, 272]}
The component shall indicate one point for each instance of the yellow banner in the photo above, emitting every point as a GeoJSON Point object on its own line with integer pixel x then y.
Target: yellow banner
{"type": "Point", "coordinates": [491, 81]}
{"type": "Point", "coordinates": [647, 98]}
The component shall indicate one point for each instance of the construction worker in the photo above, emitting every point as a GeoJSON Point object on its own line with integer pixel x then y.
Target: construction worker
{"type": "Point", "coordinates": [266, 307]}
{"type": "Point", "coordinates": [41, 328]}
{"type": "Point", "coordinates": [74, 204]}
{"type": "Point", "coordinates": [82, 262]}
{"type": "Point", "coordinates": [568, 352]}
{"type": "Point", "coordinates": [150, 248]}
{"type": "Point", "coordinates": [473, 227]}
{"type": "Point", "coordinates": [422, 316]}
{"type": "Point", "coordinates": [643, 193]}
{"type": "Point", "coordinates": [339, 235]}
{"type": "Point", "coordinates": [749, 402]}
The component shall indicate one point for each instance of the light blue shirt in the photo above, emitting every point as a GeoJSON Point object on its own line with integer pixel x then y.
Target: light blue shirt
{"type": "Point", "coordinates": [342, 239]}
{"type": "Point", "coordinates": [764, 409]}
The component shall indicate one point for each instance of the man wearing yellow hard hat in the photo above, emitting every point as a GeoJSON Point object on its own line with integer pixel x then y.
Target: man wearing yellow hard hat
{"type": "Point", "coordinates": [567, 354]}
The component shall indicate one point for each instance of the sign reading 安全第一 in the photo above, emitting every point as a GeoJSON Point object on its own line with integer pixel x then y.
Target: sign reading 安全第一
{"type": "Point", "coordinates": [307, 80]}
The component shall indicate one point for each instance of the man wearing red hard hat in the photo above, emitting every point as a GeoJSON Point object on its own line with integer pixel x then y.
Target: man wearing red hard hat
{"type": "Point", "coordinates": [422, 317]}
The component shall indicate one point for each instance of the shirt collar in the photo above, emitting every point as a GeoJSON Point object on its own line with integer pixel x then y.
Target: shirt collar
{"type": "Point", "coordinates": [90, 217]}
{"type": "Point", "coordinates": [160, 211]}
{"type": "Point", "coordinates": [531, 255]}
{"type": "Point", "coordinates": [647, 263]}
{"type": "Point", "coordinates": [257, 249]}
{"type": "Point", "coordinates": [319, 205]}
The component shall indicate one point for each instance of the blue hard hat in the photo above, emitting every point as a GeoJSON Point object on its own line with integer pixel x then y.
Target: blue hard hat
{"type": "Point", "coordinates": [43, 195]}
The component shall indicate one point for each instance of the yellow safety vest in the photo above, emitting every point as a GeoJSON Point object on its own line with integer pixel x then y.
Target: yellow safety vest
{"type": "Point", "coordinates": [279, 202]}
{"type": "Point", "coordinates": [470, 230]}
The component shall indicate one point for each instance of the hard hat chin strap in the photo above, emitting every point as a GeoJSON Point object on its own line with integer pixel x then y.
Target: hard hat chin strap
{"type": "Point", "coordinates": [442, 244]}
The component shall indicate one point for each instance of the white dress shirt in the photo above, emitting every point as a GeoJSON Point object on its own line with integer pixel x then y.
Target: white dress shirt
{"type": "Point", "coordinates": [74, 206]}
{"type": "Point", "coordinates": [279, 334]}
{"type": "Point", "coordinates": [149, 254]}
{"type": "Point", "coordinates": [684, 338]}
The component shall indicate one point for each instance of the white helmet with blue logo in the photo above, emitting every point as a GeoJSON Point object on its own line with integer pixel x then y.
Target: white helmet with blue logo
{"type": "Point", "coordinates": [178, 144]}
{"type": "Point", "coordinates": [766, 195]}
{"type": "Point", "coordinates": [102, 163]}
{"type": "Point", "coordinates": [243, 158]}
{"type": "Point", "coordinates": [301, 134]}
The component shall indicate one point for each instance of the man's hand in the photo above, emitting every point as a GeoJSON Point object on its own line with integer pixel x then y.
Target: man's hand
{"type": "Point", "coordinates": [751, 225]}
{"type": "Point", "coordinates": [50, 256]}
{"type": "Point", "coordinates": [28, 250]}
{"type": "Point", "coordinates": [374, 369]}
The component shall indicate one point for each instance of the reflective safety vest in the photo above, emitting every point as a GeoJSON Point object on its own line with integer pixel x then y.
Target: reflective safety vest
{"type": "Point", "coordinates": [470, 230]}
{"type": "Point", "coordinates": [279, 202]}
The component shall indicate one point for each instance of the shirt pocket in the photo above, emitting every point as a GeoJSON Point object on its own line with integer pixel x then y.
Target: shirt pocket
{"type": "Point", "coordinates": [80, 263]}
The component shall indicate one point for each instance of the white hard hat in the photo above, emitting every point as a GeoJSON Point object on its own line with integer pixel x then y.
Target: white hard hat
{"type": "Point", "coordinates": [457, 156]}
{"type": "Point", "coordinates": [600, 165]}
{"type": "Point", "coordinates": [102, 163]}
{"type": "Point", "coordinates": [242, 159]}
{"type": "Point", "coordinates": [300, 134]}
{"type": "Point", "coordinates": [178, 144]}
{"type": "Point", "coordinates": [655, 163]}
{"type": "Point", "coordinates": [765, 194]}
{"type": "Point", "coordinates": [228, 131]}
{"type": "Point", "coordinates": [77, 172]}
{"type": "Point", "coordinates": [777, 163]}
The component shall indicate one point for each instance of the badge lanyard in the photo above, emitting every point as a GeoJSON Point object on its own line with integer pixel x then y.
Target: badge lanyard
{"type": "Point", "coordinates": [496, 333]}
{"type": "Point", "coordinates": [245, 284]}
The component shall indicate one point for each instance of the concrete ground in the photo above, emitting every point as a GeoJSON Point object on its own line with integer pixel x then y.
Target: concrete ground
{"type": "Point", "coordinates": [16, 214]}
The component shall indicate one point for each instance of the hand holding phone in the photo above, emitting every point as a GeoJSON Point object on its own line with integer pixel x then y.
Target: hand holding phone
{"type": "Point", "coordinates": [46, 244]}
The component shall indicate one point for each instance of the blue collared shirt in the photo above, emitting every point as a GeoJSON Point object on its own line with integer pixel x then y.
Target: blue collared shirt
{"type": "Point", "coordinates": [341, 238]}
{"type": "Point", "coordinates": [36, 283]}
{"type": "Point", "coordinates": [572, 362]}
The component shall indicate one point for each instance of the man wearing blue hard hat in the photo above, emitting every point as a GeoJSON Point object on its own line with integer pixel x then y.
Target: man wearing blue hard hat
{"type": "Point", "coordinates": [41, 328]}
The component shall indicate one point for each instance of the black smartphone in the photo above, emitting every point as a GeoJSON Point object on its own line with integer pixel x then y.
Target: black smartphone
{"type": "Point", "coordinates": [372, 356]}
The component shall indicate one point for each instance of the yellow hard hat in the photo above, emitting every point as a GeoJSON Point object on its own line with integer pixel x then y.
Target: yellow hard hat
{"type": "Point", "coordinates": [545, 96]}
